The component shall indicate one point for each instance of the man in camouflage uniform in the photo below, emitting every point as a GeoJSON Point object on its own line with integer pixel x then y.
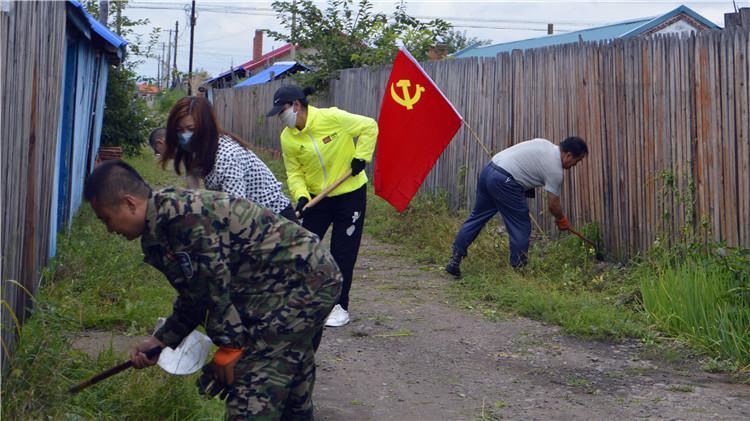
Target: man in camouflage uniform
{"type": "Point", "coordinates": [260, 285]}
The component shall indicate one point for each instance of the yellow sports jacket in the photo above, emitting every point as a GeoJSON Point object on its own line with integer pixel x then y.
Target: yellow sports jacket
{"type": "Point", "coordinates": [322, 151]}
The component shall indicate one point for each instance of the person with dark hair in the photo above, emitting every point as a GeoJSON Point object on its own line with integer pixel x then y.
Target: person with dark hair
{"type": "Point", "coordinates": [223, 160]}
{"type": "Point", "coordinates": [157, 140]}
{"type": "Point", "coordinates": [504, 184]}
{"type": "Point", "coordinates": [261, 286]}
{"type": "Point", "coordinates": [318, 148]}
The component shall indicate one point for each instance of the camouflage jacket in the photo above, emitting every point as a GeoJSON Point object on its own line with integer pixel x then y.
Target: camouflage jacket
{"type": "Point", "coordinates": [244, 273]}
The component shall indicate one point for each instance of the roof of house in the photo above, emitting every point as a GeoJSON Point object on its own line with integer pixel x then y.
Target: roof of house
{"type": "Point", "coordinates": [252, 65]}
{"type": "Point", "coordinates": [115, 44]}
{"type": "Point", "coordinates": [613, 31]}
{"type": "Point", "coordinates": [273, 72]}
{"type": "Point", "coordinates": [146, 88]}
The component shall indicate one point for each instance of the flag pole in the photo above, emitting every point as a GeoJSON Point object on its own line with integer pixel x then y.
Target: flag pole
{"type": "Point", "coordinates": [489, 155]}
{"type": "Point", "coordinates": [476, 137]}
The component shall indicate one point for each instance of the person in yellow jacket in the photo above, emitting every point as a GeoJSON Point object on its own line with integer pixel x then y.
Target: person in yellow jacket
{"type": "Point", "coordinates": [318, 148]}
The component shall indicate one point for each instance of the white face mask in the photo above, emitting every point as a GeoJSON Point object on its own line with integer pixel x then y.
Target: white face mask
{"type": "Point", "coordinates": [289, 117]}
{"type": "Point", "coordinates": [184, 139]}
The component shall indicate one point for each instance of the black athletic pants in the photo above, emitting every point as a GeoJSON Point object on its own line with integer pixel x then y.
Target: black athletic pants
{"type": "Point", "coordinates": [347, 214]}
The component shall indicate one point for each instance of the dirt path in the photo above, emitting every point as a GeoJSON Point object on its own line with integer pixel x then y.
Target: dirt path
{"type": "Point", "coordinates": [410, 355]}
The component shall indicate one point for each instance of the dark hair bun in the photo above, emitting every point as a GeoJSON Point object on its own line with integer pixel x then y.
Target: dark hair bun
{"type": "Point", "coordinates": [308, 91]}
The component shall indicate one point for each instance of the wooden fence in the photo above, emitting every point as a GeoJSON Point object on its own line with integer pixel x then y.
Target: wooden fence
{"type": "Point", "coordinates": [666, 120]}
{"type": "Point", "coordinates": [32, 37]}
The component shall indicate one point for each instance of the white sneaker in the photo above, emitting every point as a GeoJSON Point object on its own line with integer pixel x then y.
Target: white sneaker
{"type": "Point", "coordinates": [338, 317]}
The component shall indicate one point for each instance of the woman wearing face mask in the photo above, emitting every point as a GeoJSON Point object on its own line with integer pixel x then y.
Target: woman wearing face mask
{"type": "Point", "coordinates": [318, 148]}
{"type": "Point", "coordinates": [223, 160]}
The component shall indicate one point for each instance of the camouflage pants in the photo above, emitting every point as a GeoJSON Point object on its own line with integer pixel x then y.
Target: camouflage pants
{"type": "Point", "coordinates": [279, 389]}
{"type": "Point", "coordinates": [280, 386]}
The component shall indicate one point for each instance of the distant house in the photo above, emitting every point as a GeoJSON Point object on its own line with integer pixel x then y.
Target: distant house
{"type": "Point", "coordinates": [260, 62]}
{"type": "Point", "coordinates": [148, 92]}
{"type": "Point", "coordinates": [680, 20]}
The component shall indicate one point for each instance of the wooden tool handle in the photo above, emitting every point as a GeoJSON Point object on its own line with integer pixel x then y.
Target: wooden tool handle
{"type": "Point", "coordinates": [151, 353]}
{"type": "Point", "coordinates": [579, 235]}
{"type": "Point", "coordinates": [327, 190]}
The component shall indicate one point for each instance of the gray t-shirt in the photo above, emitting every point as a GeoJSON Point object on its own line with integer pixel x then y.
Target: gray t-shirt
{"type": "Point", "coordinates": [533, 163]}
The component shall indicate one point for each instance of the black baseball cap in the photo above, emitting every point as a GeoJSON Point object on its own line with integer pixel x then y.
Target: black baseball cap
{"type": "Point", "coordinates": [285, 95]}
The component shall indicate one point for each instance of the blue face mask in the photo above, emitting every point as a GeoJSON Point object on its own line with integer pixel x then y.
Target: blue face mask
{"type": "Point", "coordinates": [184, 139]}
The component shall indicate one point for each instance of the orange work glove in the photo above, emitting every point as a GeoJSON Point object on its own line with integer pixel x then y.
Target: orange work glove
{"type": "Point", "coordinates": [225, 359]}
{"type": "Point", "coordinates": [563, 224]}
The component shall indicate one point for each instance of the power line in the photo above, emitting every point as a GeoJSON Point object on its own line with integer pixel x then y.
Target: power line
{"type": "Point", "coordinates": [515, 28]}
{"type": "Point", "coordinates": [256, 11]}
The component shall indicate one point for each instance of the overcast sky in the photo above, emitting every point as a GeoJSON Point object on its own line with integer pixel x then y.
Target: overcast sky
{"type": "Point", "coordinates": [224, 29]}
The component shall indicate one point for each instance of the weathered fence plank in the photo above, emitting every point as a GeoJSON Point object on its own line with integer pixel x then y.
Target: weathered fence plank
{"type": "Point", "coordinates": [32, 36]}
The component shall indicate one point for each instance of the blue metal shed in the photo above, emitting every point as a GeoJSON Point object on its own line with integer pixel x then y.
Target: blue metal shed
{"type": "Point", "coordinates": [89, 50]}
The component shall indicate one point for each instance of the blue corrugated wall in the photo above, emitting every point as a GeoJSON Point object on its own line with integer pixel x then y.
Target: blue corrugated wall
{"type": "Point", "coordinates": [82, 103]}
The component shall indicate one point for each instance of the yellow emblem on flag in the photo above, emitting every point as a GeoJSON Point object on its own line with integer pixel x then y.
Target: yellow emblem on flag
{"type": "Point", "coordinates": [406, 100]}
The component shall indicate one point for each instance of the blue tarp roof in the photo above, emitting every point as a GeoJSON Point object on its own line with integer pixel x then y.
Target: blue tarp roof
{"type": "Point", "coordinates": [601, 33]}
{"type": "Point", "coordinates": [108, 36]}
{"type": "Point", "coordinates": [238, 69]}
{"type": "Point", "coordinates": [268, 74]}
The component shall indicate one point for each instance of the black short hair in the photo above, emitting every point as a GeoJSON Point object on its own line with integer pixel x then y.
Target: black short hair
{"type": "Point", "coordinates": [111, 180]}
{"type": "Point", "coordinates": [161, 132]}
{"type": "Point", "coordinates": [574, 145]}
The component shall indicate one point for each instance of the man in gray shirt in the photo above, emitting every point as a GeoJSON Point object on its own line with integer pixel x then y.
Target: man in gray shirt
{"type": "Point", "coordinates": [503, 186]}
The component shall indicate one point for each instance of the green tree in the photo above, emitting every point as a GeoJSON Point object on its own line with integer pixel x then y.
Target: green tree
{"type": "Point", "coordinates": [127, 118]}
{"type": "Point", "coordinates": [164, 103]}
{"type": "Point", "coordinates": [348, 34]}
{"type": "Point", "coordinates": [456, 40]}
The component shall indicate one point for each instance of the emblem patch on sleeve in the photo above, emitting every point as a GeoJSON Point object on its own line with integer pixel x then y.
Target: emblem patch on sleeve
{"type": "Point", "coordinates": [185, 264]}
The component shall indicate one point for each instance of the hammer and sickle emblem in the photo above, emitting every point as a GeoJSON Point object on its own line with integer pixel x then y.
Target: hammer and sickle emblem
{"type": "Point", "coordinates": [406, 100]}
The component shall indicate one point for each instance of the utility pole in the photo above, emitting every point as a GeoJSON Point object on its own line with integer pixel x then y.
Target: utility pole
{"type": "Point", "coordinates": [158, 71]}
{"type": "Point", "coordinates": [294, 29]}
{"type": "Point", "coordinates": [169, 60]}
{"type": "Point", "coordinates": [190, 63]}
{"type": "Point", "coordinates": [118, 6]}
{"type": "Point", "coordinates": [103, 12]}
{"type": "Point", "coordinates": [174, 66]}
{"type": "Point", "coordinates": [161, 65]}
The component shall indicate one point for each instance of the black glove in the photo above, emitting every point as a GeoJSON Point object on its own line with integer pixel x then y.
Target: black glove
{"type": "Point", "coordinates": [209, 385]}
{"type": "Point", "coordinates": [530, 193]}
{"type": "Point", "coordinates": [301, 202]}
{"type": "Point", "coordinates": [357, 166]}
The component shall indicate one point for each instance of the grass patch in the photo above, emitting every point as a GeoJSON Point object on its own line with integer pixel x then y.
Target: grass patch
{"type": "Point", "coordinates": [395, 334]}
{"type": "Point", "coordinates": [98, 281]}
{"type": "Point", "coordinates": [684, 388]}
{"type": "Point", "coordinates": [563, 283]}
{"type": "Point", "coordinates": [700, 297]}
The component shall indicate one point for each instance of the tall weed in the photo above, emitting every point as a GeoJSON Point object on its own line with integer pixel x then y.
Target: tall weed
{"type": "Point", "coordinates": [695, 294]}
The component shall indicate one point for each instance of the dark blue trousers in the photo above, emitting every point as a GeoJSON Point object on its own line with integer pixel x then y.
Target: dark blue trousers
{"type": "Point", "coordinates": [497, 191]}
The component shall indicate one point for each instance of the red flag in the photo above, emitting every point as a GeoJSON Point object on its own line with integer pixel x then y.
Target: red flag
{"type": "Point", "coordinates": [416, 124]}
